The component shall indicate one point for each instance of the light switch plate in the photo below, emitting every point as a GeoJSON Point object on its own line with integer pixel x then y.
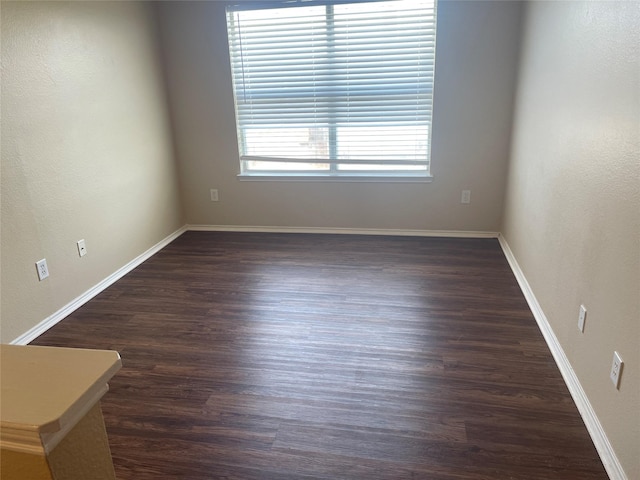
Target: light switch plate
{"type": "Point", "coordinates": [582, 316]}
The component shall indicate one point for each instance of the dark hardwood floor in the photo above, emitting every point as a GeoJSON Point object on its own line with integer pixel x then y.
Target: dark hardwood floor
{"type": "Point", "coordinates": [288, 356]}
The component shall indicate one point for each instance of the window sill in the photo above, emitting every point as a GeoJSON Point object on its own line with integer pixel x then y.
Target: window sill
{"type": "Point", "coordinates": [279, 177]}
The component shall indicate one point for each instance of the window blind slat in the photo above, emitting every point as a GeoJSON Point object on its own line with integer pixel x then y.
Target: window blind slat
{"type": "Point", "coordinates": [366, 161]}
{"type": "Point", "coordinates": [334, 83]}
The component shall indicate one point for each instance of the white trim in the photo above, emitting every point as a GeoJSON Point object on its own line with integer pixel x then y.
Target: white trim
{"type": "Point", "coordinates": [363, 178]}
{"type": "Point", "coordinates": [344, 231]}
{"type": "Point", "coordinates": [603, 446]}
{"type": "Point", "coordinates": [72, 306]}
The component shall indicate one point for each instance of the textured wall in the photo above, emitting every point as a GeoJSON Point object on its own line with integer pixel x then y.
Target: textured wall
{"type": "Point", "coordinates": [475, 76]}
{"type": "Point", "coordinates": [86, 150]}
{"type": "Point", "coordinates": [572, 215]}
{"type": "Point", "coordinates": [84, 452]}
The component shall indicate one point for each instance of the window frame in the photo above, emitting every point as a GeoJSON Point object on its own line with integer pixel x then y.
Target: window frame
{"type": "Point", "coordinates": [333, 172]}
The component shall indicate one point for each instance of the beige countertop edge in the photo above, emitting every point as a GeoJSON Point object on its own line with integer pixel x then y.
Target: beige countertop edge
{"type": "Point", "coordinates": [21, 440]}
{"type": "Point", "coordinates": [72, 416]}
{"type": "Point", "coordinates": [43, 437]}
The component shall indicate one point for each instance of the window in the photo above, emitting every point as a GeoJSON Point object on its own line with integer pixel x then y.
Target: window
{"type": "Point", "coordinates": [333, 88]}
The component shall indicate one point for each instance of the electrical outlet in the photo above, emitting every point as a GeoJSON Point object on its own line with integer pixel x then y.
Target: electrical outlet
{"type": "Point", "coordinates": [582, 316]}
{"type": "Point", "coordinates": [214, 195]}
{"type": "Point", "coordinates": [616, 369]}
{"type": "Point", "coordinates": [82, 248]}
{"type": "Point", "coordinates": [43, 270]}
{"type": "Point", "coordinates": [466, 196]}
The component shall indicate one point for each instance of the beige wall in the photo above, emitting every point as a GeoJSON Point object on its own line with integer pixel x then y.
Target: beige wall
{"type": "Point", "coordinates": [572, 215]}
{"type": "Point", "coordinates": [86, 150]}
{"type": "Point", "coordinates": [477, 57]}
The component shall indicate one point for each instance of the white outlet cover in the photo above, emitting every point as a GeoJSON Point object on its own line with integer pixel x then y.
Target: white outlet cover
{"type": "Point", "coordinates": [43, 270]}
{"type": "Point", "coordinates": [82, 248]}
{"type": "Point", "coordinates": [582, 316]}
{"type": "Point", "coordinates": [616, 369]}
{"type": "Point", "coordinates": [466, 197]}
{"type": "Point", "coordinates": [214, 195]}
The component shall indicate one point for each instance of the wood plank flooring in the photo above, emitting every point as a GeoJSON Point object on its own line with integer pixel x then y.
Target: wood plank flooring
{"type": "Point", "coordinates": [290, 356]}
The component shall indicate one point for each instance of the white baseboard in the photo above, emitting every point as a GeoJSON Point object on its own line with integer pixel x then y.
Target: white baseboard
{"type": "Point", "coordinates": [344, 231]}
{"type": "Point", "coordinates": [603, 446]}
{"type": "Point", "coordinates": [70, 307]}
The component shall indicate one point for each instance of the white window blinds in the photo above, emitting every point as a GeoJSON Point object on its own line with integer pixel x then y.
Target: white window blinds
{"type": "Point", "coordinates": [333, 87]}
